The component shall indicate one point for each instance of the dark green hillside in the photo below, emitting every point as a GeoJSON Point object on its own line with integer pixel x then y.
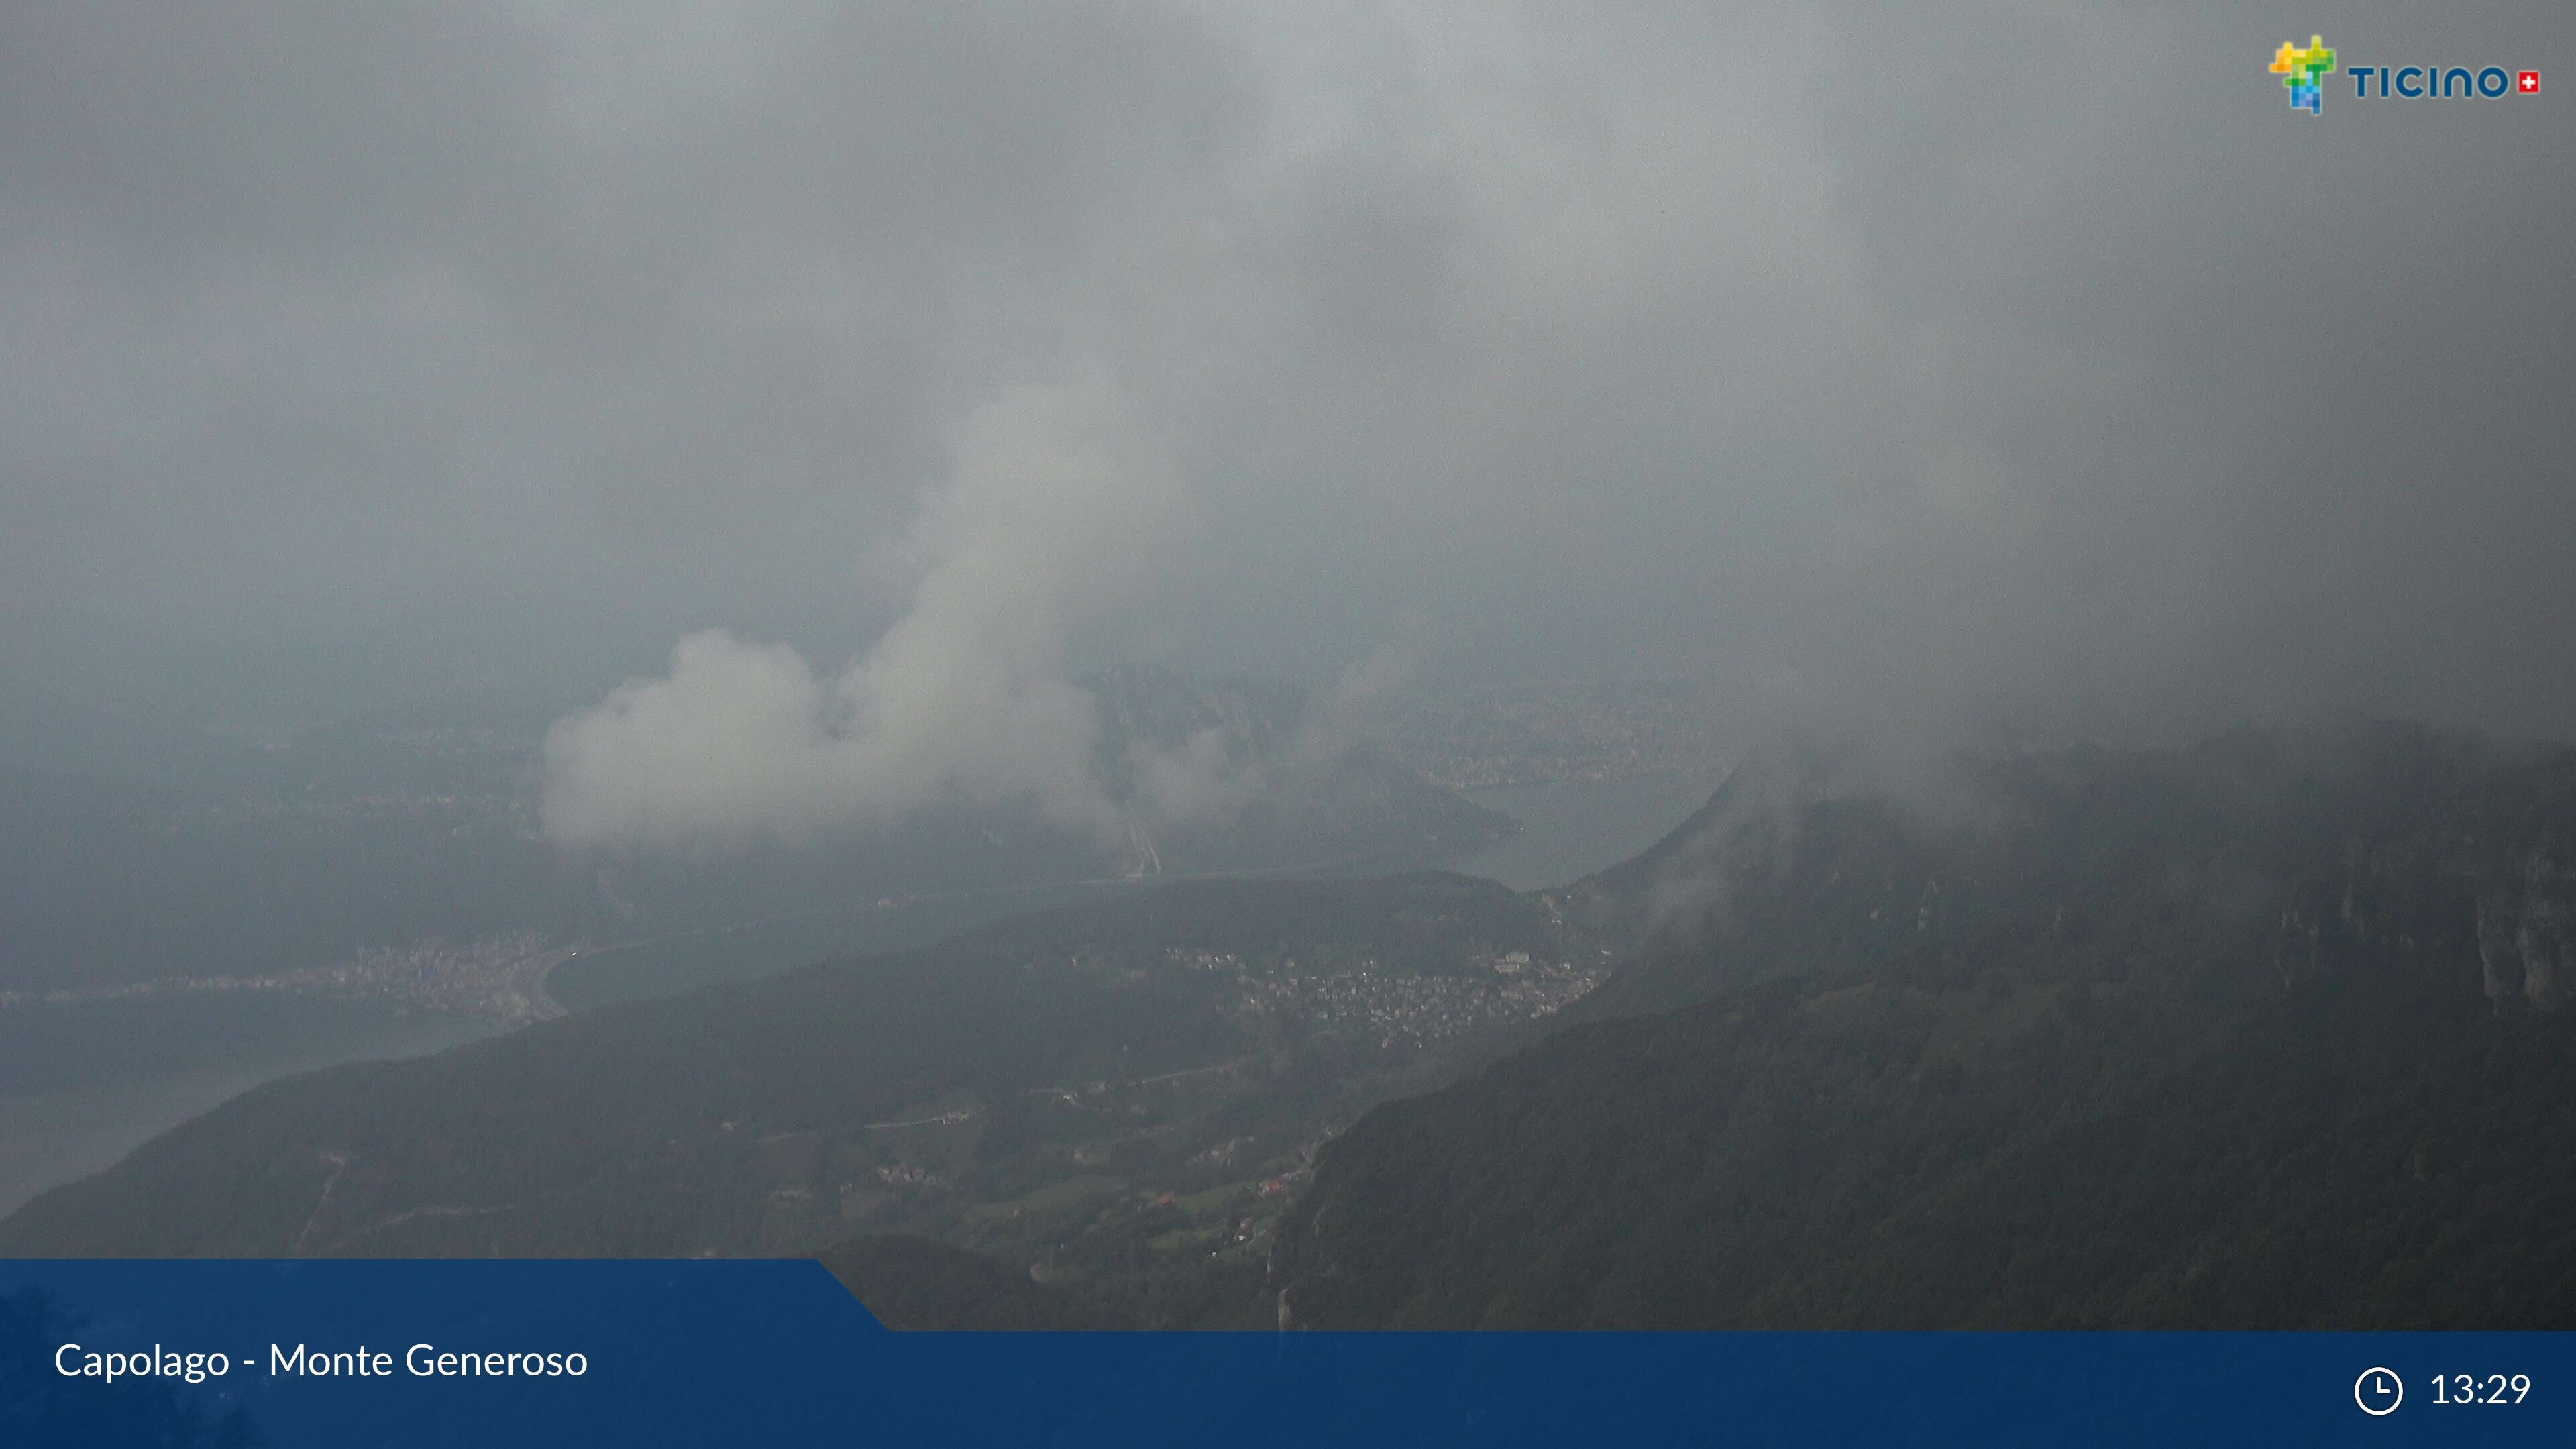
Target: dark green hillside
{"type": "Point", "coordinates": [2369, 1153]}
{"type": "Point", "coordinates": [2262, 1033]}
{"type": "Point", "coordinates": [2266, 1031]}
{"type": "Point", "coordinates": [1172, 1050]}
{"type": "Point", "coordinates": [2062, 861]}
{"type": "Point", "coordinates": [921, 1283]}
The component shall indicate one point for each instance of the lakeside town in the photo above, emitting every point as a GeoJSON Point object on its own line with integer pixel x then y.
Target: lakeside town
{"type": "Point", "coordinates": [1117, 1173]}
{"type": "Point", "coordinates": [502, 978]}
{"type": "Point", "coordinates": [1409, 1010]}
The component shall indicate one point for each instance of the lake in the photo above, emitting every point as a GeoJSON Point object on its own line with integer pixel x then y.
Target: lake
{"type": "Point", "coordinates": [82, 1085]}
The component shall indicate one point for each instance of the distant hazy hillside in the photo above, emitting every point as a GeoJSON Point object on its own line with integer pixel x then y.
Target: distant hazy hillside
{"type": "Point", "coordinates": [1294, 789]}
{"type": "Point", "coordinates": [2268, 1031]}
{"type": "Point", "coordinates": [2260, 1033]}
{"type": "Point", "coordinates": [385, 831]}
{"type": "Point", "coordinates": [1149, 1066]}
{"type": "Point", "coordinates": [104, 882]}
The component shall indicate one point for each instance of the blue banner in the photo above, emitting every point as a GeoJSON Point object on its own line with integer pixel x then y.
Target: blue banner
{"type": "Point", "coordinates": [776, 1353]}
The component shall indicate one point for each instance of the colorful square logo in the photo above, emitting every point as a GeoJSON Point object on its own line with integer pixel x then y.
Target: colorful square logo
{"type": "Point", "coordinates": [2304, 68]}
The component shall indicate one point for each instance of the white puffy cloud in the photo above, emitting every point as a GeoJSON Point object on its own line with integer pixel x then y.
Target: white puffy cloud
{"type": "Point", "coordinates": [1053, 518]}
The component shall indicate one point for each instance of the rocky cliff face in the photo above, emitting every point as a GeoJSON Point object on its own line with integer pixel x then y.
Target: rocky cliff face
{"type": "Point", "coordinates": [2386, 849]}
{"type": "Point", "coordinates": [2527, 933]}
{"type": "Point", "coordinates": [2261, 1032]}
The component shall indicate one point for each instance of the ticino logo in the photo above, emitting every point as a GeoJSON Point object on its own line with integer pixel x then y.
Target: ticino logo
{"type": "Point", "coordinates": [2303, 70]}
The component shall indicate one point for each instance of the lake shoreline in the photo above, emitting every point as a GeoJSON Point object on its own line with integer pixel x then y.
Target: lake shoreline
{"type": "Point", "coordinates": [109, 1076]}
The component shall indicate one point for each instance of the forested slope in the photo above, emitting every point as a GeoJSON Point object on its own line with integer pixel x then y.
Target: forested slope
{"type": "Point", "coordinates": [2264, 1033]}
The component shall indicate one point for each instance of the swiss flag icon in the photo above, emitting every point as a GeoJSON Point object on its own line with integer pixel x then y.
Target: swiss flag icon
{"type": "Point", "coordinates": [2528, 83]}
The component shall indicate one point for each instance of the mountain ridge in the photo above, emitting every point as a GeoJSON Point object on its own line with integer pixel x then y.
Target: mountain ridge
{"type": "Point", "coordinates": [2219, 1036]}
{"type": "Point", "coordinates": [2262, 1031]}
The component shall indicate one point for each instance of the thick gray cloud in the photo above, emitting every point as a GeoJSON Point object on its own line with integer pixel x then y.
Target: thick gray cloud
{"type": "Point", "coordinates": [2021, 366]}
{"type": "Point", "coordinates": [1056, 514]}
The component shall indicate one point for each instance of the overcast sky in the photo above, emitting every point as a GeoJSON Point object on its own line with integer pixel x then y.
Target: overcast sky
{"type": "Point", "coordinates": [2028, 365]}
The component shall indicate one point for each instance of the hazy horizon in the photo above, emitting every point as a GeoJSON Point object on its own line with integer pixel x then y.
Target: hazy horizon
{"type": "Point", "coordinates": [2031, 370]}
{"type": "Point", "coordinates": [1364, 665]}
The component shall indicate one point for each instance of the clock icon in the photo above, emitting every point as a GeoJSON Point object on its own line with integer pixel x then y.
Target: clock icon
{"type": "Point", "coordinates": [2378, 1391]}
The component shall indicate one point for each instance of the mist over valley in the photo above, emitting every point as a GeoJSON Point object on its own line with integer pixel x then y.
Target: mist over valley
{"type": "Point", "coordinates": [1230, 666]}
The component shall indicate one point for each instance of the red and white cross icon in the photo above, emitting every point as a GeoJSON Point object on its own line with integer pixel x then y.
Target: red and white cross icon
{"type": "Point", "coordinates": [2528, 83]}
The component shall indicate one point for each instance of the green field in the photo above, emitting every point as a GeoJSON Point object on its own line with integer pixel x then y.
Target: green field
{"type": "Point", "coordinates": [1054, 1195]}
